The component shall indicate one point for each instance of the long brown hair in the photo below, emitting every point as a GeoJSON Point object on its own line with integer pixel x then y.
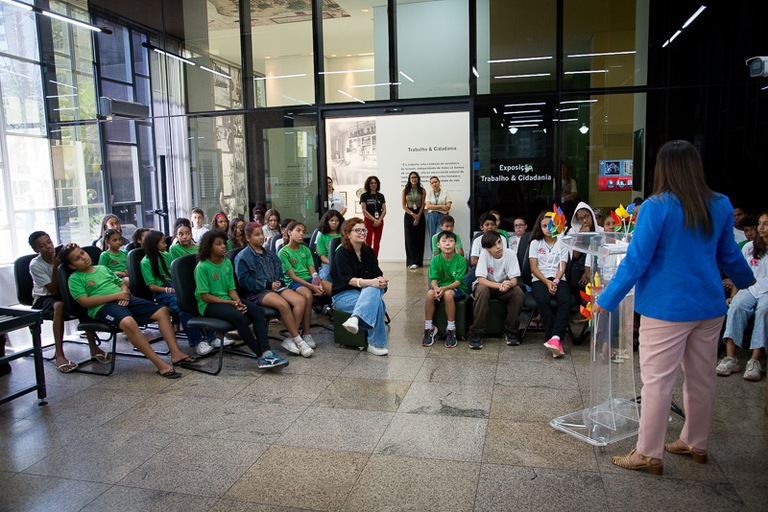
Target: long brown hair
{"type": "Point", "coordinates": [759, 248]}
{"type": "Point", "coordinates": [679, 171]}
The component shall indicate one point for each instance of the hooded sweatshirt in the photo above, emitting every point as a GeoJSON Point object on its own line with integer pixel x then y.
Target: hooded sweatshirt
{"type": "Point", "coordinates": [576, 225]}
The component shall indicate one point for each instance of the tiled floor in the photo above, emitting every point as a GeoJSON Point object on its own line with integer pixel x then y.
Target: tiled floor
{"type": "Point", "coordinates": [421, 429]}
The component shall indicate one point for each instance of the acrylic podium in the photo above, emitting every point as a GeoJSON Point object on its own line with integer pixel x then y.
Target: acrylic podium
{"type": "Point", "coordinates": [613, 413]}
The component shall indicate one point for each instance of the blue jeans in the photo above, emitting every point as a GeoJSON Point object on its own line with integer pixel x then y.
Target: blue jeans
{"type": "Point", "coordinates": [743, 304]}
{"type": "Point", "coordinates": [194, 336]}
{"type": "Point", "coordinates": [433, 223]}
{"type": "Point", "coordinates": [324, 272]}
{"type": "Point", "coordinates": [367, 304]}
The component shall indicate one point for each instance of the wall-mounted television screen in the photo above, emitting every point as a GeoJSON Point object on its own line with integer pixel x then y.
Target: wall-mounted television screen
{"type": "Point", "coordinates": [615, 175]}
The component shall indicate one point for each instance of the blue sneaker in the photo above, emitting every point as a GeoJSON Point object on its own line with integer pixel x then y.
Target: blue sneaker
{"type": "Point", "coordinates": [269, 360]}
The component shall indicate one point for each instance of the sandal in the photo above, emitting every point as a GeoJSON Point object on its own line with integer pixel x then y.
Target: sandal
{"type": "Point", "coordinates": [67, 367]}
{"type": "Point", "coordinates": [102, 358]}
{"type": "Point", "coordinates": [625, 462]}
{"type": "Point", "coordinates": [187, 360]}
{"type": "Point", "coordinates": [678, 447]}
{"type": "Point", "coordinates": [173, 374]}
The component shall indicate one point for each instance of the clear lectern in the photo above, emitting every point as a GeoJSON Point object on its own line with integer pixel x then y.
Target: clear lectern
{"type": "Point", "coordinates": [613, 413]}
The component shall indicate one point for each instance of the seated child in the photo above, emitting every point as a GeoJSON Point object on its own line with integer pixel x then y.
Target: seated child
{"type": "Point", "coordinates": [217, 298]}
{"type": "Point", "coordinates": [272, 227]}
{"type": "Point", "coordinates": [497, 272]}
{"type": "Point", "coordinates": [330, 228]}
{"type": "Point", "coordinates": [487, 223]}
{"type": "Point", "coordinates": [109, 221]}
{"type": "Point", "coordinates": [136, 239]}
{"type": "Point", "coordinates": [299, 270]}
{"type": "Point", "coordinates": [235, 234]}
{"type": "Point", "coordinates": [749, 227]}
{"type": "Point", "coordinates": [108, 300]}
{"type": "Point", "coordinates": [520, 226]}
{"type": "Point", "coordinates": [185, 242]}
{"type": "Point", "coordinates": [113, 257]}
{"type": "Point", "coordinates": [446, 224]}
{"type": "Point", "coordinates": [446, 274]}
{"type": "Point", "coordinates": [198, 228]}
{"type": "Point", "coordinates": [156, 271]}
{"type": "Point", "coordinates": [47, 298]}
{"type": "Point", "coordinates": [260, 273]}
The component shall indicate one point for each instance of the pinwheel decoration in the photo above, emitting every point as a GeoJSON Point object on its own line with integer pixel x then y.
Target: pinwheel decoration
{"type": "Point", "coordinates": [625, 218]}
{"type": "Point", "coordinates": [557, 221]}
{"type": "Point", "coordinates": [586, 294]}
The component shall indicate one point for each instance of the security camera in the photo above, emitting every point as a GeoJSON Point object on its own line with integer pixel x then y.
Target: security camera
{"type": "Point", "coordinates": [758, 66]}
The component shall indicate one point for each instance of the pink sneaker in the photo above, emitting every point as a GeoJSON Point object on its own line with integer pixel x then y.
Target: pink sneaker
{"type": "Point", "coordinates": [554, 346]}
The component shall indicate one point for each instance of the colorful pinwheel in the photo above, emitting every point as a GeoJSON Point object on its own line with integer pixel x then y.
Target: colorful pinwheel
{"type": "Point", "coordinates": [586, 294]}
{"type": "Point", "coordinates": [557, 221]}
{"type": "Point", "coordinates": [625, 218]}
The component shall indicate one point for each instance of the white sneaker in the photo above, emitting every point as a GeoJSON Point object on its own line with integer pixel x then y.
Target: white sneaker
{"type": "Point", "coordinates": [377, 351]}
{"type": "Point", "coordinates": [216, 342]}
{"type": "Point", "coordinates": [754, 371]}
{"type": "Point", "coordinates": [290, 345]}
{"type": "Point", "coordinates": [413, 267]}
{"type": "Point", "coordinates": [309, 340]}
{"type": "Point", "coordinates": [203, 348]}
{"type": "Point", "coordinates": [727, 366]}
{"type": "Point", "coordinates": [351, 325]}
{"type": "Point", "coordinates": [305, 350]}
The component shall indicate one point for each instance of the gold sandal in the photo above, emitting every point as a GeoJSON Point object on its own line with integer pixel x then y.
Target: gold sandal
{"type": "Point", "coordinates": [675, 447]}
{"type": "Point", "coordinates": [625, 461]}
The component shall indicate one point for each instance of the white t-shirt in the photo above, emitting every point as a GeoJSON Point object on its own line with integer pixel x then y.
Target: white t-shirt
{"type": "Point", "coordinates": [514, 241]}
{"type": "Point", "coordinates": [759, 268]}
{"type": "Point", "coordinates": [497, 270]}
{"type": "Point", "coordinates": [477, 247]}
{"type": "Point", "coordinates": [336, 201]}
{"type": "Point", "coordinates": [197, 233]}
{"type": "Point", "coordinates": [42, 275]}
{"type": "Point", "coordinates": [549, 258]}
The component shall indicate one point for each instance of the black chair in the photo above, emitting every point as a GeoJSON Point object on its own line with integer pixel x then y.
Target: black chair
{"type": "Point", "coordinates": [183, 275]}
{"type": "Point", "coordinates": [24, 286]}
{"type": "Point", "coordinates": [313, 247]}
{"type": "Point", "coordinates": [86, 323]}
{"type": "Point", "coordinates": [137, 285]}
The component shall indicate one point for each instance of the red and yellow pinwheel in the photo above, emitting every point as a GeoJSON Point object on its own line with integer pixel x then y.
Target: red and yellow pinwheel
{"type": "Point", "coordinates": [557, 221]}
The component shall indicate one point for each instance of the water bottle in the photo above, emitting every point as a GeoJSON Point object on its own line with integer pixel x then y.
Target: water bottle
{"type": "Point", "coordinates": [315, 279]}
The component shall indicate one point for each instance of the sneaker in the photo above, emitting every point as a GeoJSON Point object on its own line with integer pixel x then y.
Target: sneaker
{"type": "Point", "coordinates": [351, 325]}
{"type": "Point", "coordinates": [511, 338]}
{"type": "Point", "coordinates": [754, 371]}
{"type": "Point", "coordinates": [377, 351]}
{"type": "Point", "coordinates": [429, 337]}
{"type": "Point", "coordinates": [216, 342]}
{"type": "Point", "coordinates": [269, 360]}
{"type": "Point", "coordinates": [450, 338]}
{"type": "Point", "coordinates": [413, 267]}
{"type": "Point", "coordinates": [309, 340]}
{"type": "Point", "coordinates": [203, 348]}
{"type": "Point", "coordinates": [554, 346]}
{"type": "Point", "coordinates": [727, 366]}
{"type": "Point", "coordinates": [290, 345]}
{"type": "Point", "coordinates": [305, 350]}
{"type": "Point", "coordinates": [476, 342]}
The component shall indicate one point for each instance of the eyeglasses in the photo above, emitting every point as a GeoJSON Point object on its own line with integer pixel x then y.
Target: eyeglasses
{"type": "Point", "coordinates": [520, 225]}
{"type": "Point", "coordinates": [360, 231]}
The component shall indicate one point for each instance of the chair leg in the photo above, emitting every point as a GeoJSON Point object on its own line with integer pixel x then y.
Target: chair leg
{"type": "Point", "coordinates": [113, 339]}
{"type": "Point", "coordinates": [220, 365]}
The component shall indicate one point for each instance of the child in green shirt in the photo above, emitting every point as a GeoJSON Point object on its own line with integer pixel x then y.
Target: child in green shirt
{"type": "Point", "coordinates": [113, 257]}
{"type": "Point", "coordinates": [185, 243]}
{"type": "Point", "coordinates": [107, 299]}
{"type": "Point", "coordinates": [330, 228]}
{"type": "Point", "coordinates": [217, 298]}
{"type": "Point", "coordinates": [300, 275]}
{"type": "Point", "coordinates": [446, 224]}
{"type": "Point", "coordinates": [446, 274]}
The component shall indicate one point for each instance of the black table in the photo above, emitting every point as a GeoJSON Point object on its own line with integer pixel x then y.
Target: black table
{"type": "Point", "coordinates": [12, 320]}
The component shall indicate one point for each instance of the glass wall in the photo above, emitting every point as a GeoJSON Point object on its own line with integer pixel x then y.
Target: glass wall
{"type": "Point", "coordinates": [356, 52]}
{"type": "Point", "coordinates": [516, 46]}
{"type": "Point", "coordinates": [433, 48]}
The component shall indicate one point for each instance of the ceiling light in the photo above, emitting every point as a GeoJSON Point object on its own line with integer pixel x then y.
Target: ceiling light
{"type": "Point", "coordinates": [526, 126]}
{"type": "Point", "coordinates": [526, 121]}
{"type": "Point", "coordinates": [577, 101]}
{"type": "Point", "coordinates": [584, 129]}
{"type": "Point", "coordinates": [513, 130]}
{"type": "Point", "coordinates": [173, 56]}
{"type": "Point", "coordinates": [219, 73]}
{"type": "Point", "coordinates": [523, 111]}
{"type": "Point", "coordinates": [345, 71]}
{"type": "Point", "coordinates": [381, 84]}
{"type": "Point", "coordinates": [297, 75]}
{"type": "Point", "coordinates": [519, 59]}
{"type": "Point", "coordinates": [694, 16]}
{"type": "Point", "coordinates": [474, 72]}
{"type": "Point", "coordinates": [524, 104]}
{"type": "Point", "coordinates": [675, 35]}
{"type": "Point", "coordinates": [566, 120]}
{"type": "Point", "coordinates": [406, 77]}
{"type": "Point", "coordinates": [73, 21]}
{"type": "Point", "coordinates": [586, 71]}
{"type": "Point", "coordinates": [528, 75]}
{"type": "Point", "coordinates": [566, 109]}
{"type": "Point", "coordinates": [601, 54]}
{"type": "Point", "coordinates": [495, 111]}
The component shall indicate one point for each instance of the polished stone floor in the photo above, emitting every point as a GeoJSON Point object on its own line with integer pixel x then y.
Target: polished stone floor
{"type": "Point", "coordinates": [422, 429]}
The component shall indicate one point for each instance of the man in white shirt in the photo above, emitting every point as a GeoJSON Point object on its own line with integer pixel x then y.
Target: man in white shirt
{"type": "Point", "coordinates": [497, 272]}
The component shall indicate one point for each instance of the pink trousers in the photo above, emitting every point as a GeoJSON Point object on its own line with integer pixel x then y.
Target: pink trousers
{"type": "Point", "coordinates": [663, 347]}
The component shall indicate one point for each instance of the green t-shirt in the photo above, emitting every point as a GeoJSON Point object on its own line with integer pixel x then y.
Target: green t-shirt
{"type": "Point", "coordinates": [98, 283]}
{"type": "Point", "coordinates": [149, 277]}
{"type": "Point", "coordinates": [299, 261]}
{"type": "Point", "coordinates": [446, 272]}
{"type": "Point", "coordinates": [177, 250]}
{"type": "Point", "coordinates": [323, 240]}
{"type": "Point", "coordinates": [114, 262]}
{"type": "Point", "coordinates": [434, 242]}
{"type": "Point", "coordinates": [217, 280]}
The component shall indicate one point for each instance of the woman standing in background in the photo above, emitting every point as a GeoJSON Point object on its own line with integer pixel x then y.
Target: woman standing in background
{"type": "Point", "coordinates": [374, 209]}
{"type": "Point", "coordinates": [438, 204]}
{"type": "Point", "coordinates": [413, 199]}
